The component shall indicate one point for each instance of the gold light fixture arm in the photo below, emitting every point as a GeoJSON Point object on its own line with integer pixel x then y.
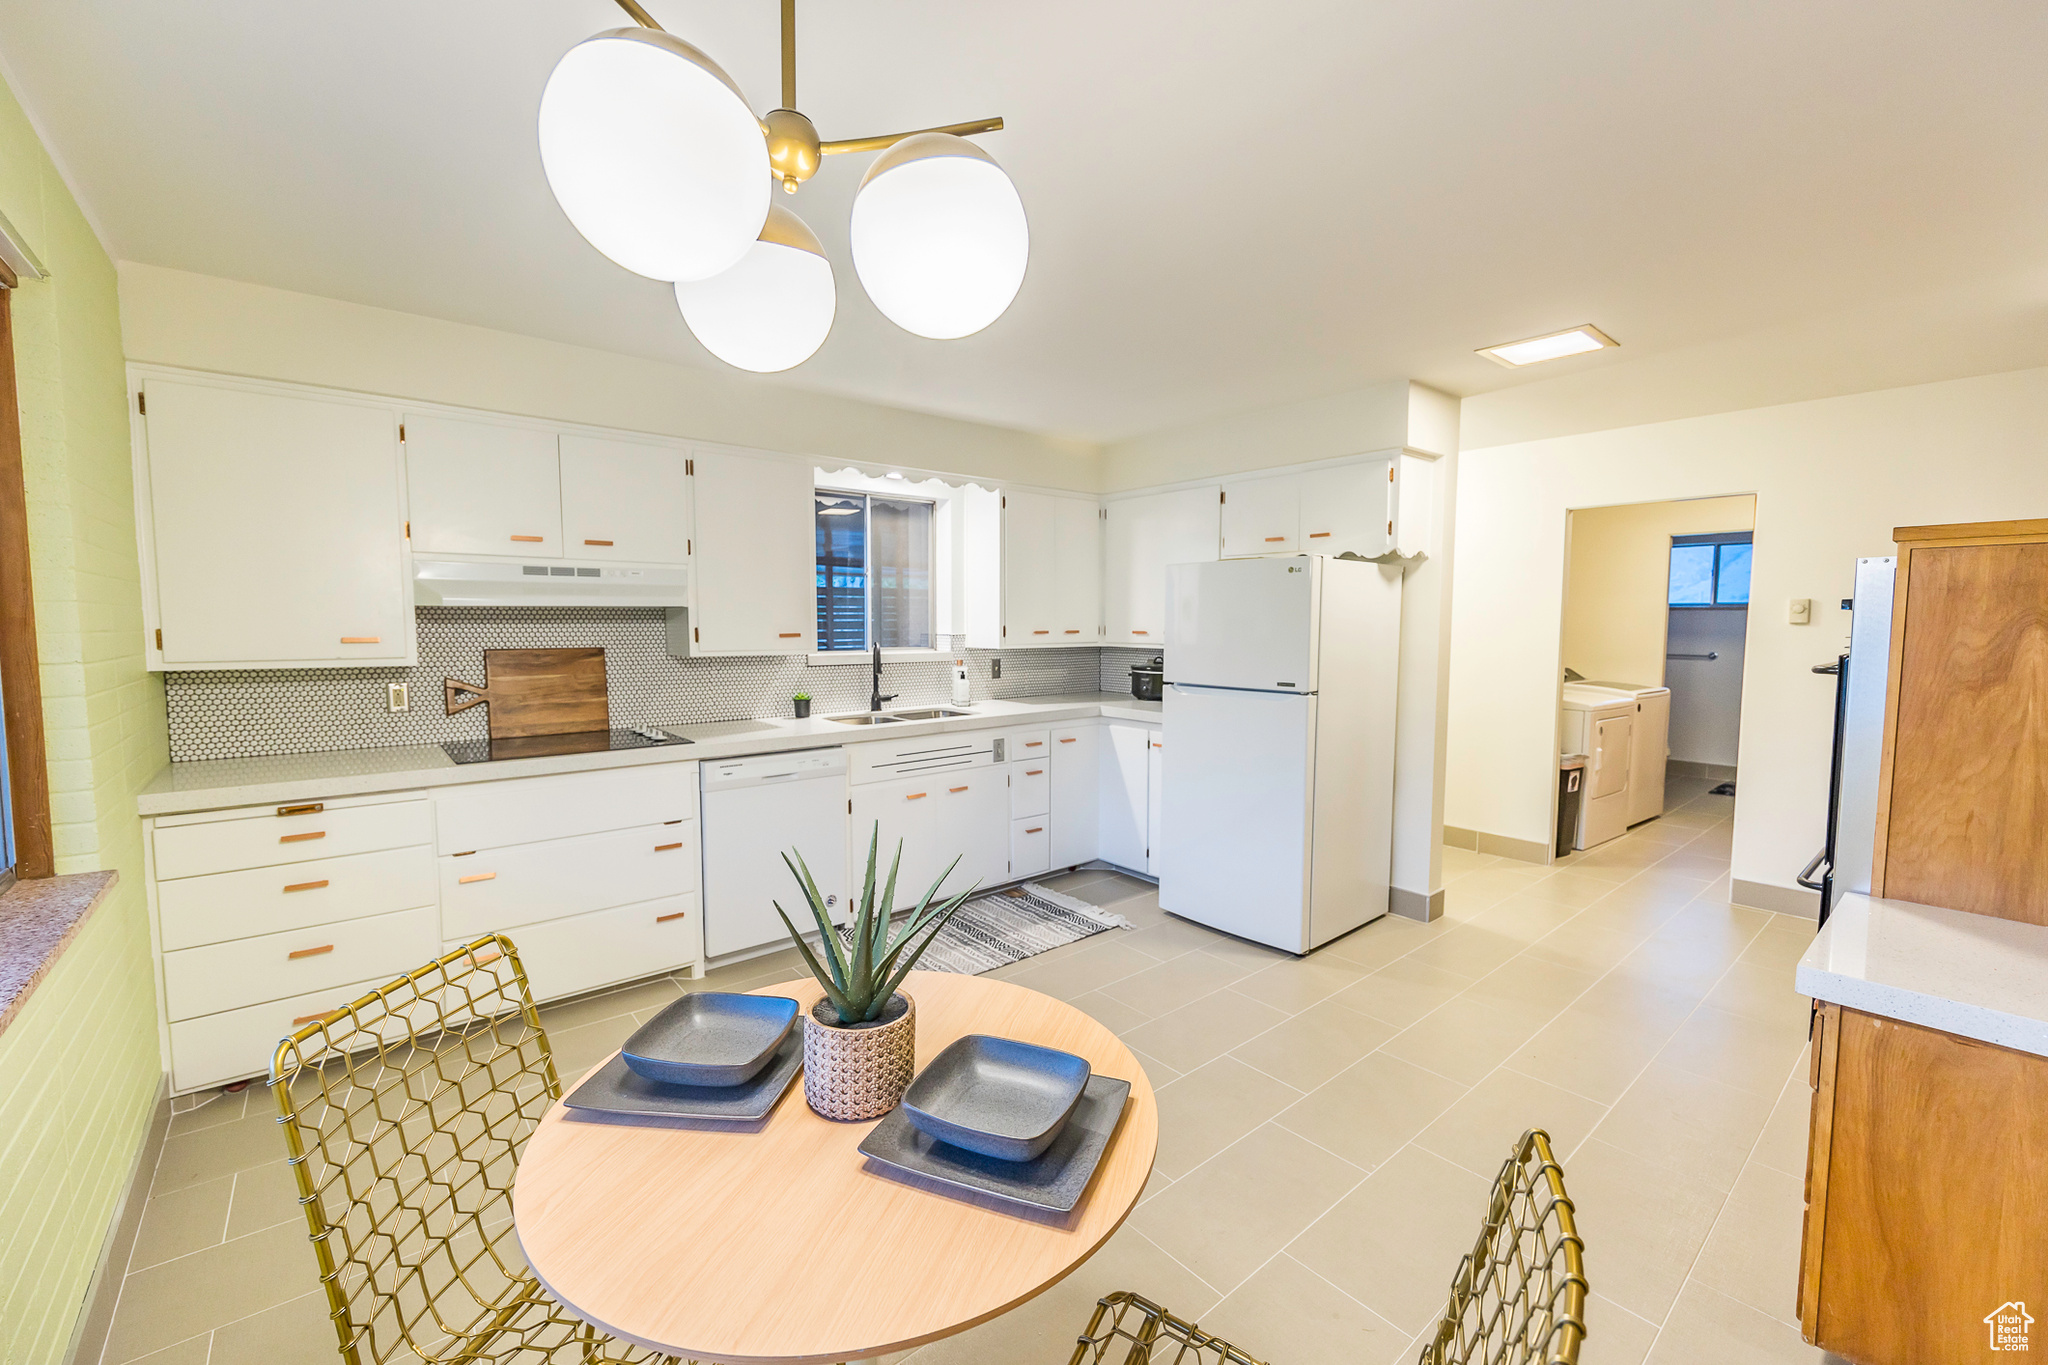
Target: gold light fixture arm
{"type": "Point", "coordinates": [788, 54]}
{"type": "Point", "coordinates": [640, 16]}
{"type": "Point", "coordinates": [876, 144]}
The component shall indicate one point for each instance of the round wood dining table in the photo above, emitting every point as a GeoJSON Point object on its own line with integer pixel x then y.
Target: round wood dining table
{"type": "Point", "coordinates": [778, 1241]}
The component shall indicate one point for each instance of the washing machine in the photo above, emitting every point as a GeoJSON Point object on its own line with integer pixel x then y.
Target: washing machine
{"type": "Point", "coordinates": [1652, 745]}
{"type": "Point", "coordinates": [1599, 722]}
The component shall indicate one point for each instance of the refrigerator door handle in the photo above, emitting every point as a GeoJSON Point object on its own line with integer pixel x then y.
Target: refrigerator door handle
{"type": "Point", "coordinates": [1805, 877]}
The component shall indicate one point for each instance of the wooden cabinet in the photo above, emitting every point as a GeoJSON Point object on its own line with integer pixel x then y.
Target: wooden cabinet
{"type": "Point", "coordinates": [625, 501]}
{"type": "Point", "coordinates": [1075, 778]}
{"type": "Point", "coordinates": [755, 589]}
{"type": "Point", "coordinates": [1963, 783]}
{"type": "Point", "coordinates": [274, 529]}
{"type": "Point", "coordinates": [1924, 1183]}
{"type": "Point", "coordinates": [483, 488]}
{"type": "Point", "coordinates": [1125, 770]}
{"type": "Point", "coordinates": [1262, 517]}
{"type": "Point", "coordinates": [1140, 537]}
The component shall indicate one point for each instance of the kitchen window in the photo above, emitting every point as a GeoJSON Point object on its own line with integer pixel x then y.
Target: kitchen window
{"type": "Point", "coordinates": [875, 557]}
{"type": "Point", "coordinates": [1710, 571]}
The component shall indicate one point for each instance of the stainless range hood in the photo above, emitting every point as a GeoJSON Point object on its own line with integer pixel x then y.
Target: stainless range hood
{"type": "Point", "coordinates": [475, 583]}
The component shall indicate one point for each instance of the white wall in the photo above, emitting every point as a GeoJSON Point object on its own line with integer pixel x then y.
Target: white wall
{"type": "Point", "coordinates": [1706, 694]}
{"type": "Point", "coordinates": [1831, 478]}
{"type": "Point", "coordinates": [172, 317]}
{"type": "Point", "coordinates": [1619, 581]}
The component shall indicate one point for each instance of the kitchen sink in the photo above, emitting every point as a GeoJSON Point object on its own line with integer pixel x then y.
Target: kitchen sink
{"type": "Point", "coordinates": [865, 718]}
{"type": "Point", "coordinates": [931, 713]}
{"type": "Point", "coordinates": [890, 717]}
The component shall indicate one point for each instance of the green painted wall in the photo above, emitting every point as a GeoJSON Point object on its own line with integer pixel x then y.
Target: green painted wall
{"type": "Point", "coordinates": [79, 1066]}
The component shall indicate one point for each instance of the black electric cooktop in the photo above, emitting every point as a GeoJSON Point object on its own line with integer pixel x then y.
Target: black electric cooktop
{"type": "Point", "coordinates": [547, 746]}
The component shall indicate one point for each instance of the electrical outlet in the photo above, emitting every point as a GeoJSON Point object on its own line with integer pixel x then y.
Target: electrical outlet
{"type": "Point", "coordinates": [396, 698]}
{"type": "Point", "coordinates": [1800, 611]}
{"type": "Point", "coordinates": [995, 668]}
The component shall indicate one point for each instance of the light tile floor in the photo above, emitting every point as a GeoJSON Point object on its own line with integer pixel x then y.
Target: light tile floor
{"type": "Point", "coordinates": [1329, 1125]}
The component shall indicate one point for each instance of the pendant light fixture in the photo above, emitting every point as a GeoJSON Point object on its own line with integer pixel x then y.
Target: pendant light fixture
{"type": "Point", "coordinates": [658, 161]}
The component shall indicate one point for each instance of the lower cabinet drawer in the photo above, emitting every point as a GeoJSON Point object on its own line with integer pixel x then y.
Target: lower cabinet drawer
{"type": "Point", "coordinates": [503, 888]}
{"type": "Point", "coordinates": [233, 1044]}
{"type": "Point", "coordinates": [246, 971]}
{"type": "Point", "coordinates": [266, 900]}
{"type": "Point", "coordinates": [582, 952]}
{"type": "Point", "coordinates": [1030, 788]}
{"type": "Point", "coordinates": [269, 835]}
{"type": "Point", "coordinates": [1030, 846]}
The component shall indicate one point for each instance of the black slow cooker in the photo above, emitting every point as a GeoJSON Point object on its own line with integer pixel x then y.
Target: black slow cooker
{"type": "Point", "coordinates": [1148, 678]}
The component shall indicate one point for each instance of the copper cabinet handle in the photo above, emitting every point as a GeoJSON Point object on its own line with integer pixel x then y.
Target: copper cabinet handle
{"type": "Point", "coordinates": [488, 958]}
{"type": "Point", "coordinates": [307, 886]}
{"type": "Point", "coordinates": [1317, 535]}
{"type": "Point", "coordinates": [1033, 743]}
{"type": "Point", "coordinates": [1040, 829]}
{"type": "Point", "coordinates": [915, 796]}
{"type": "Point", "coordinates": [1041, 632]}
{"type": "Point", "coordinates": [664, 919]}
{"type": "Point", "coordinates": [663, 848]}
{"type": "Point", "coordinates": [790, 635]}
{"type": "Point", "coordinates": [1141, 632]}
{"type": "Point", "coordinates": [309, 1018]}
{"type": "Point", "coordinates": [528, 540]}
{"type": "Point", "coordinates": [1073, 632]}
{"type": "Point", "coordinates": [301, 838]}
{"type": "Point", "coordinates": [309, 952]}
{"type": "Point", "coordinates": [597, 542]}
{"type": "Point", "coordinates": [310, 808]}
{"type": "Point", "coordinates": [1033, 772]}
{"type": "Point", "coordinates": [956, 789]}
{"type": "Point", "coordinates": [359, 639]}
{"type": "Point", "coordinates": [1271, 539]}
{"type": "Point", "coordinates": [476, 877]}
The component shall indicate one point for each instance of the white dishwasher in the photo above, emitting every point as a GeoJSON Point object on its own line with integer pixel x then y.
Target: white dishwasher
{"type": "Point", "coordinates": [755, 810]}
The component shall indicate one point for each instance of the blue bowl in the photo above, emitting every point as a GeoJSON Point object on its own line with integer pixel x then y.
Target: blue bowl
{"type": "Point", "coordinates": [710, 1038]}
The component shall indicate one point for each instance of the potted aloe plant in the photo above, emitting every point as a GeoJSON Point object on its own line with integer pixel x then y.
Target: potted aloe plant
{"type": "Point", "coordinates": [860, 1043]}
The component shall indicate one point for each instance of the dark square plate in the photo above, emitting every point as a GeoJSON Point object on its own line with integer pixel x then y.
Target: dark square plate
{"type": "Point", "coordinates": [1054, 1181]}
{"type": "Point", "coordinates": [710, 1038]}
{"type": "Point", "coordinates": [615, 1090]}
{"type": "Point", "coordinates": [996, 1096]}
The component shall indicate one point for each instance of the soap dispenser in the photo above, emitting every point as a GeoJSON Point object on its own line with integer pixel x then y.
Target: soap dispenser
{"type": "Point", "coordinates": [961, 692]}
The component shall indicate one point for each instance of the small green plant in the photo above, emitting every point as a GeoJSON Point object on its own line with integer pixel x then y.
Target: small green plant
{"type": "Point", "coordinates": [859, 982]}
{"type": "Point", "coordinates": [801, 696]}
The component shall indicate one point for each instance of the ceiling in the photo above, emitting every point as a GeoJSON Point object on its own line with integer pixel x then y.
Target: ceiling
{"type": "Point", "coordinates": [1232, 205]}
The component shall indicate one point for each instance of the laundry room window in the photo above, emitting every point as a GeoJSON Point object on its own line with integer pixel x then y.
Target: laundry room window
{"type": "Point", "coordinates": [874, 572]}
{"type": "Point", "coordinates": [1710, 570]}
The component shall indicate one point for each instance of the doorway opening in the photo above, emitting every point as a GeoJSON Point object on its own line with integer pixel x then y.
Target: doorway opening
{"type": "Point", "coordinates": [1650, 704]}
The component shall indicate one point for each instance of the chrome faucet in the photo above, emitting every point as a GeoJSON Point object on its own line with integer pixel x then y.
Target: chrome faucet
{"type": "Point", "coordinates": [875, 694]}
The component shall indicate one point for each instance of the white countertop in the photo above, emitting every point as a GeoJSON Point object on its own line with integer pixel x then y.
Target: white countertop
{"type": "Point", "coordinates": [215, 784]}
{"type": "Point", "coordinates": [1972, 975]}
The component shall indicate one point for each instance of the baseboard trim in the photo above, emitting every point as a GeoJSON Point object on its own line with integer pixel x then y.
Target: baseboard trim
{"type": "Point", "coordinates": [1783, 900]}
{"type": "Point", "coordinates": [96, 1314]}
{"type": "Point", "coordinates": [1461, 838]}
{"type": "Point", "coordinates": [1685, 767]}
{"type": "Point", "coordinates": [1414, 904]}
{"type": "Point", "coordinates": [1498, 845]}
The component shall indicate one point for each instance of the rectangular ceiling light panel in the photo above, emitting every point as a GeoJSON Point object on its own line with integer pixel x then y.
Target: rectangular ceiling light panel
{"type": "Point", "coordinates": [1552, 346]}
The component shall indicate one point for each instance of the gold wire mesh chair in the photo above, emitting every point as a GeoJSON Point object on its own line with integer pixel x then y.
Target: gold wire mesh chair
{"type": "Point", "coordinates": [405, 1113]}
{"type": "Point", "coordinates": [1519, 1297]}
{"type": "Point", "coordinates": [1151, 1336]}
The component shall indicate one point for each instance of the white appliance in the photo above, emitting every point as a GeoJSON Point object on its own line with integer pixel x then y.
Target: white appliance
{"type": "Point", "coordinates": [1651, 744]}
{"type": "Point", "coordinates": [755, 810]}
{"type": "Point", "coordinates": [495, 583]}
{"type": "Point", "coordinates": [1599, 722]}
{"type": "Point", "coordinates": [1277, 770]}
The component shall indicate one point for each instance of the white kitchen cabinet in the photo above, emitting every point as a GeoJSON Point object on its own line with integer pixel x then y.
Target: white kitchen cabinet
{"type": "Point", "coordinates": [1077, 571]}
{"type": "Point", "coordinates": [274, 529]}
{"type": "Point", "coordinates": [1030, 787]}
{"type": "Point", "coordinates": [579, 953]}
{"type": "Point", "coordinates": [482, 488]}
{"type": "Point", "coordinates": [1346, 509]}
{"type": "Point", "coordinates": [973, 823]}
{"type": "Point", "coordinates": [1141, 536]}
{"type": "Point", "coordinates": [1030, 847]}
{"type": "Point", "coordinates": [1030, 587]}
{"type": "Point", "coordinates": [498, 890]}
{"type": "Point", "coordinates": [625, 501]}
{"type": "Point", "coordinates": [905, 812]}
{"type": "Point", "coordinates": [1125, 786]}
{"type": "Point", "coordinates": [1152, 802]}
{"type": "Point", "coordinates": [1262, 517]}
{"type": "Point", "coordinates": [1072, 800]}
{"type": "Point", "coordinates": [755, 572]}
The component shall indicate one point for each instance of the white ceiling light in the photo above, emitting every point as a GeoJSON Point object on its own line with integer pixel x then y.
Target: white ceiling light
{"type": "Point", "coordinates": [773, 309]}
{"type": "Point", "coordinates": [653, 153]}
{"type": "Point", "coordinates": [659, 162]}
{"type": "Point", "coordinates": [939, 237]}
{"type": "Point", "coordinates": [1550, 346]}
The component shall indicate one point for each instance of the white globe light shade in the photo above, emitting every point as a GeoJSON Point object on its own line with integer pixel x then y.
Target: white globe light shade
{"type": "Point", "coordinates": [939, 237]}
{"type": "Point", "coordinates": [773, 309]}
{"type": "Point", "coordinates": [654, 155]}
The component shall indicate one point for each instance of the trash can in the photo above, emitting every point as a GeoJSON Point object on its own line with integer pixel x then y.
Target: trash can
{"type": "Point", "coordinates": [1571, 777]}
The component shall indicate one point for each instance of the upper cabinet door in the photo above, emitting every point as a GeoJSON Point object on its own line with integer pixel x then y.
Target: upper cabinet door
{"type": "Point", "coordinates": [278, 529]}
{"type": "Point", "coordinates": [1077, 571]}
{"type": "Point", "coordinates": [1030, 594]}
{"type": "Point", "coordinates": [1262, 517]}
{"type": "Point", "coordinates": [481, 489]}
{"type": "Point", "coordinates": [622, 500]}
{"type": "Point", "coordinates": [1347, 509]}
{"type": "Point", "coordinates": [1141, 536]}
{"type": "Point", "coordinates": [756, 566]}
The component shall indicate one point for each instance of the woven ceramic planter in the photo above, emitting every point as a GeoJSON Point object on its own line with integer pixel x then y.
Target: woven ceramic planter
{"type": "Point", "coordinates": [862, 1071]}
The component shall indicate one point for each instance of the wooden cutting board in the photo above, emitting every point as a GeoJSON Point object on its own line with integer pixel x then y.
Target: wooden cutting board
{"type": "Point", "coordinates": [536, 692]}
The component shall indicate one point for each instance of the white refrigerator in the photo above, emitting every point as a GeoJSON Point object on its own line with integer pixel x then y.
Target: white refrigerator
{"type": "Point", "coordinates": [1278, 762]}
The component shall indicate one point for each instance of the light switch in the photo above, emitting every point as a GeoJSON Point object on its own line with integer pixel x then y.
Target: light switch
{"type": "Point", "coordinates": [1800, 611]}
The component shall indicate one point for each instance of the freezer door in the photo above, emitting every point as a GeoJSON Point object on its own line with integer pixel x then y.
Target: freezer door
{"type": "Point", "coordinates": [1236, 772]}
{"type": "Point", "coordinates": [1246, 623]}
